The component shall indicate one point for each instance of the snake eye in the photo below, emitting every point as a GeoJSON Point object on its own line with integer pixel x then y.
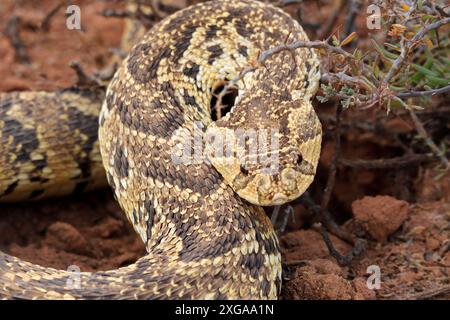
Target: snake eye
{"type": "Point", "coordinates": [244, 170]}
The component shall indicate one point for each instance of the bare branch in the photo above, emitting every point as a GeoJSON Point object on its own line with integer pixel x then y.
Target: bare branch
{"type": "Point", "coordinates": [12, 32]}
{"type": "Point", "coordinates": [345, 79]}
{"type": "Point", "coordinates": [45, 25]}
{"type": "Point", "coordinates": [423, 133]}
{"type": "Point", "coordinates": [355, 8]}
{"type": "Point", "coordinates": [333, 167]}
{"type": "Point", "coordinates": [429, 294]}
{"type": "Point", "coordinates": [84, 80]}
{"type": "Point", "coordinates": [388, 163]}
{"type": "Point", "coordinates": [328, 27]}
{"type": "Point", "coordinates": [424, 93]}
{"type": "Point", "coordinates": [305, 44]}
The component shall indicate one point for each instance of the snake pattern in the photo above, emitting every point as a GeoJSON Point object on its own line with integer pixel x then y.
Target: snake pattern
{"type": "Point", "coordinates": [205, 233]}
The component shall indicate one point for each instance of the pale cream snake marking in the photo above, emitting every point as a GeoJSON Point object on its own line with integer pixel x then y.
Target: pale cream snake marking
{"type": "Point", "coordinates": [203, 240]}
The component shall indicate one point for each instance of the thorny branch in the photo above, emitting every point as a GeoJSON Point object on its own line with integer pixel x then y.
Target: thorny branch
{"type": "Point", "coordinates": [408, 45]}
{"type": "Point", "coordinates": [269, 53]}
{"type": "Point", "coordinates": [343, 260]}
{"type": "Point", "coordinates": [375, 94]}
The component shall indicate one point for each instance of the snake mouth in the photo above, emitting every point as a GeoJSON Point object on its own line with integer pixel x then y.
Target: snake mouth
{"type": "Point", "coordinates": [279, 199]}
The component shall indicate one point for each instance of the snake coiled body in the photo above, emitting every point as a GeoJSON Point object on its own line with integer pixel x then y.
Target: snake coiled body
{"type": "Point", "coordinates": [203, 240]}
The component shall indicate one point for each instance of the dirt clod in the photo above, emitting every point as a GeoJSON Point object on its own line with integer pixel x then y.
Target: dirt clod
{"type": "Point", "coordinates": [380, 216]}
{"type": "Point", "coordinates": [324, 279]}
{"type": "Point", "coordinates": [308, 244]}
{"type": "Point", "coordinates": [64, 236]}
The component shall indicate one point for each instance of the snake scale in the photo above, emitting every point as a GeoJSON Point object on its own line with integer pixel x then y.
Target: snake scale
{"type": "Point", "coordinates": [205, 233]}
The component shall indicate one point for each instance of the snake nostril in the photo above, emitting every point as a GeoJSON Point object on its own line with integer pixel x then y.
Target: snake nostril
{"type": "Point", "coordinates": [299, 159]}
{"type": "Point", "coordinates": [244, 170]}
{"type": "Point", "coordinates": [264, 183]}
{"type": "Point", "coordinates": [288, 178]}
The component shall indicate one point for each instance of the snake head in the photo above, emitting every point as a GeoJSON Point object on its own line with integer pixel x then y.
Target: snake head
{"type": "Point", "coordinates": [268, 166]}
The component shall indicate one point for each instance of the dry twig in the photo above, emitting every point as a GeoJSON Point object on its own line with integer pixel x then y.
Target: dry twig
{"type": "Point", "coordinates": [424, 93]}
{"type": "Point", "coordinates": [84, 80]}
{"type": "Point", "coordinates": [429, 294]}
{"type": "Point", "coordinates": [45, 25]}
{"type": "Point", "coordinates": [13, 34]}
{"type": "Point", "coordinates": [333, 167]}
{"type": "Point", "coordinates": [329, 25]}
{"type": "Point", "coordinates": [391, 163]}
{"type": "Point", "coordinates": [354, 9]}
{"type": "Point", "coordinates": [424, 135]}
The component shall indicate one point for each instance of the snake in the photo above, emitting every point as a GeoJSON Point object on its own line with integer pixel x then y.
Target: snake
{"type": "Point", "coordinates": [191, 185]}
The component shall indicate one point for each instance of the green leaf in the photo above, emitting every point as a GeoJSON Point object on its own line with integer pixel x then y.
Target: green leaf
{"type": "Point", "coordinates": [382, 51]}
{"type": "Point", "coordinates": [395, 104]}
{"type": "Point", "coordinates": [322, 99]}
{"type": "Point", "coordinates": [428, 17]}
{"type": "Point", "coordinates": [440, 68]}
{"type": "Point", "coordinates": [376, 71]}
{"type": "Point", "coordinates": [347, 91]}
{"type": "Point", "coordinates": [329, 91]}
{"type": "Point", "coordinates": [425, 71]}
{"type": "Point", "coordinates": [419, 75]}
{"type": "Point", "coordinates": [440, 175]}
{"type": "Point", "coordinates": [396, 88]}
{"type": "Point", "coordinates": [437, 81]}
{"type": "Point", "coordinates": [335, 41]}
{"type": "Point", "coordinates": [345, 103]}
{"type": "Point", "coordinates": [393, 46]}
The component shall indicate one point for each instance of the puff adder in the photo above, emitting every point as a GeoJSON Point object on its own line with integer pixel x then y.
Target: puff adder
{"type": "Point", "coordinates": [203, 240]}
